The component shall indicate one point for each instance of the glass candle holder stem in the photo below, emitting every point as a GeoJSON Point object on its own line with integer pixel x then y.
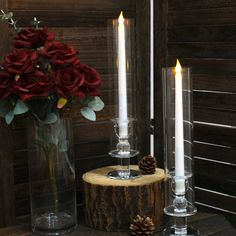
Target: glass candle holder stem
{"type": "Point", "coordinates": [123, 148]}
{"type": "Point", "coordinates": [180, 207]}
{"type": "Point", "coordinates": [180, 225]}
{"type": "Point", "coordinates": [124, 168]}
{"type": "Point", "coordinates": [123, 152]}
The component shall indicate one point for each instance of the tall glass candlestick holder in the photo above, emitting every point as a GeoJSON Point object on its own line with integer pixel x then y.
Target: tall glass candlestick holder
{"type": "Point", "coordinates": [178, 127]}
{"type": "Point", "coordinates": [123, 151]}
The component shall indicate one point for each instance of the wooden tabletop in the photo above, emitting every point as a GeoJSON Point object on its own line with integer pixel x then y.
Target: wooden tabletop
{"type": "Point", "coordinates": [206, 223]}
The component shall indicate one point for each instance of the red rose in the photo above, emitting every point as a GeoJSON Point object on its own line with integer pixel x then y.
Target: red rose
{"type": "Point", "coordinates": [69, 82]}
{"type": "Point", "coordinates": [60, 54]}
{"type": "Point", "coordinates": [33, 38]}
{"type": "Point", "coordinates": [6, 84]}
{"type": "Point", "coordinates": [92, 80]}
{"type": "Point", "coordinates": [20, 61]}
{"type": "Point", "coordinates": [36, 84]}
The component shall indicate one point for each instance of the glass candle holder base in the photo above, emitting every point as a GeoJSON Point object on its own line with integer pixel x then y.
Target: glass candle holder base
{"type": "Point", "coordinates": [123, 175]}
{"type": "Point", "coordinates": [189, 211]}
{"type": "Point", "coordinates": [189, 231]}
{"type": "Point", "coordinates": [54, 224]}
{"type": "Point", "coordinates": [129, 154]}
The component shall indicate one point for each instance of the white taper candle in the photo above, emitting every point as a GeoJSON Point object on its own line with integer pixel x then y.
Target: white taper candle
{"type": "Point", "coordinates": [122, 80]}
{"type": "Point", "coordinates": [179, 136]}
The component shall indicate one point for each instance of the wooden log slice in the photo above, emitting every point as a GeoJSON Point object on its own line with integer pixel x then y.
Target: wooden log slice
{"type": "Point", "coordinates": [110, 205]}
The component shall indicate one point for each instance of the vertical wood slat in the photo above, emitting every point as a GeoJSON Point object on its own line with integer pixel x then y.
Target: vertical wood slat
{"type": "Point", "coordinates": [7, 201]}
{"type": "Point", "coordinates": [143, 74]}
{"type": "Point", "coordinates": [160, 59]}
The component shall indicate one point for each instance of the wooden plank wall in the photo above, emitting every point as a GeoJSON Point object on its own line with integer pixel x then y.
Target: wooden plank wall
{"type": "Point", "coordinates": [83, 24]}
{"type": "Point", "coordinates": [202, 34]}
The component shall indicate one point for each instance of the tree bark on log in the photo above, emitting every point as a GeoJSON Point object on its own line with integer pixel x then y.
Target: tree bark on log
{"type": "Point", "coordinates": [111, 205]}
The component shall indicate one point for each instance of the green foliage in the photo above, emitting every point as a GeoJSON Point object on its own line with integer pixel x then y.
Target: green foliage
{"type": "Point", "coordinates": [10, 108]}
{"type": "Point", "coordinates": [9, 117]}
{"type": "Point", "coordinates": [90, 105]}
{"type": "Point", "coordinates": [88, 113]}
{"type": "Point", "coordinates": [51, 118]}
{"type": "Point", "coordinates": [20, 108]}
{"type": "Point", "coordinates": [42, 108]}
{"type": "Point", "coordinates": [96, 104]}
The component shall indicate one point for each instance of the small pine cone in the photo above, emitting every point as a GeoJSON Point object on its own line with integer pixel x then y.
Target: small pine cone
{"type": "Point", "coordinates": [142, 225]}
{"type": "Point", "coordinates": [147, 165]}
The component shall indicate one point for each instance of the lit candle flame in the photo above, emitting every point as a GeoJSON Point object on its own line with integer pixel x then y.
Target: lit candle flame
{"type": "Point", "coordinates": [178, 68]}
{"type": "Point", "coordinates": [121, 18]}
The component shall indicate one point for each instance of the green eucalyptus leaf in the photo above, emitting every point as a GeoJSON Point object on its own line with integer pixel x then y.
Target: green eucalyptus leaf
{"type": "Point", "coordinates": [96, 104]}
{"type": "Point", "coordinates": [20, 108]}
{"type": "Point", "coordinates": [9, 117]}
{"type": "Point", "coordinates": [85, 101]}
{"type": "Point", "coordinates": [88, 113]}
{"type": "Point", "coordinates": [51, 118]}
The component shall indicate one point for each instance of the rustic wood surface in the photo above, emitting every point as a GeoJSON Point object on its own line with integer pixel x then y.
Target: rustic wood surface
{"type": "Point", "coordinates": [110, 205]}
{"type": "Point", "coordinates": [208, 224]}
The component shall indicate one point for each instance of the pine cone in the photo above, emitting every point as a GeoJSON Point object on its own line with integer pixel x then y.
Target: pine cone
{"type": "Point", "coordinates": [147, 165]}
{"type": "Point", "coordinates": [142, 225]}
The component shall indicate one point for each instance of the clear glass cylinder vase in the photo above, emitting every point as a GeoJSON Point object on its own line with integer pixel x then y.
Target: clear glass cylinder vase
{"type": "Point", "coordinates": [178, 147]}
{"type": "Point", "coordinates": [52, 177]}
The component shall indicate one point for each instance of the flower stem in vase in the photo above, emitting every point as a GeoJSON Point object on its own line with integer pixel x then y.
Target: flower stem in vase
{"type": "Point", "coordinates": [52, 179]}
